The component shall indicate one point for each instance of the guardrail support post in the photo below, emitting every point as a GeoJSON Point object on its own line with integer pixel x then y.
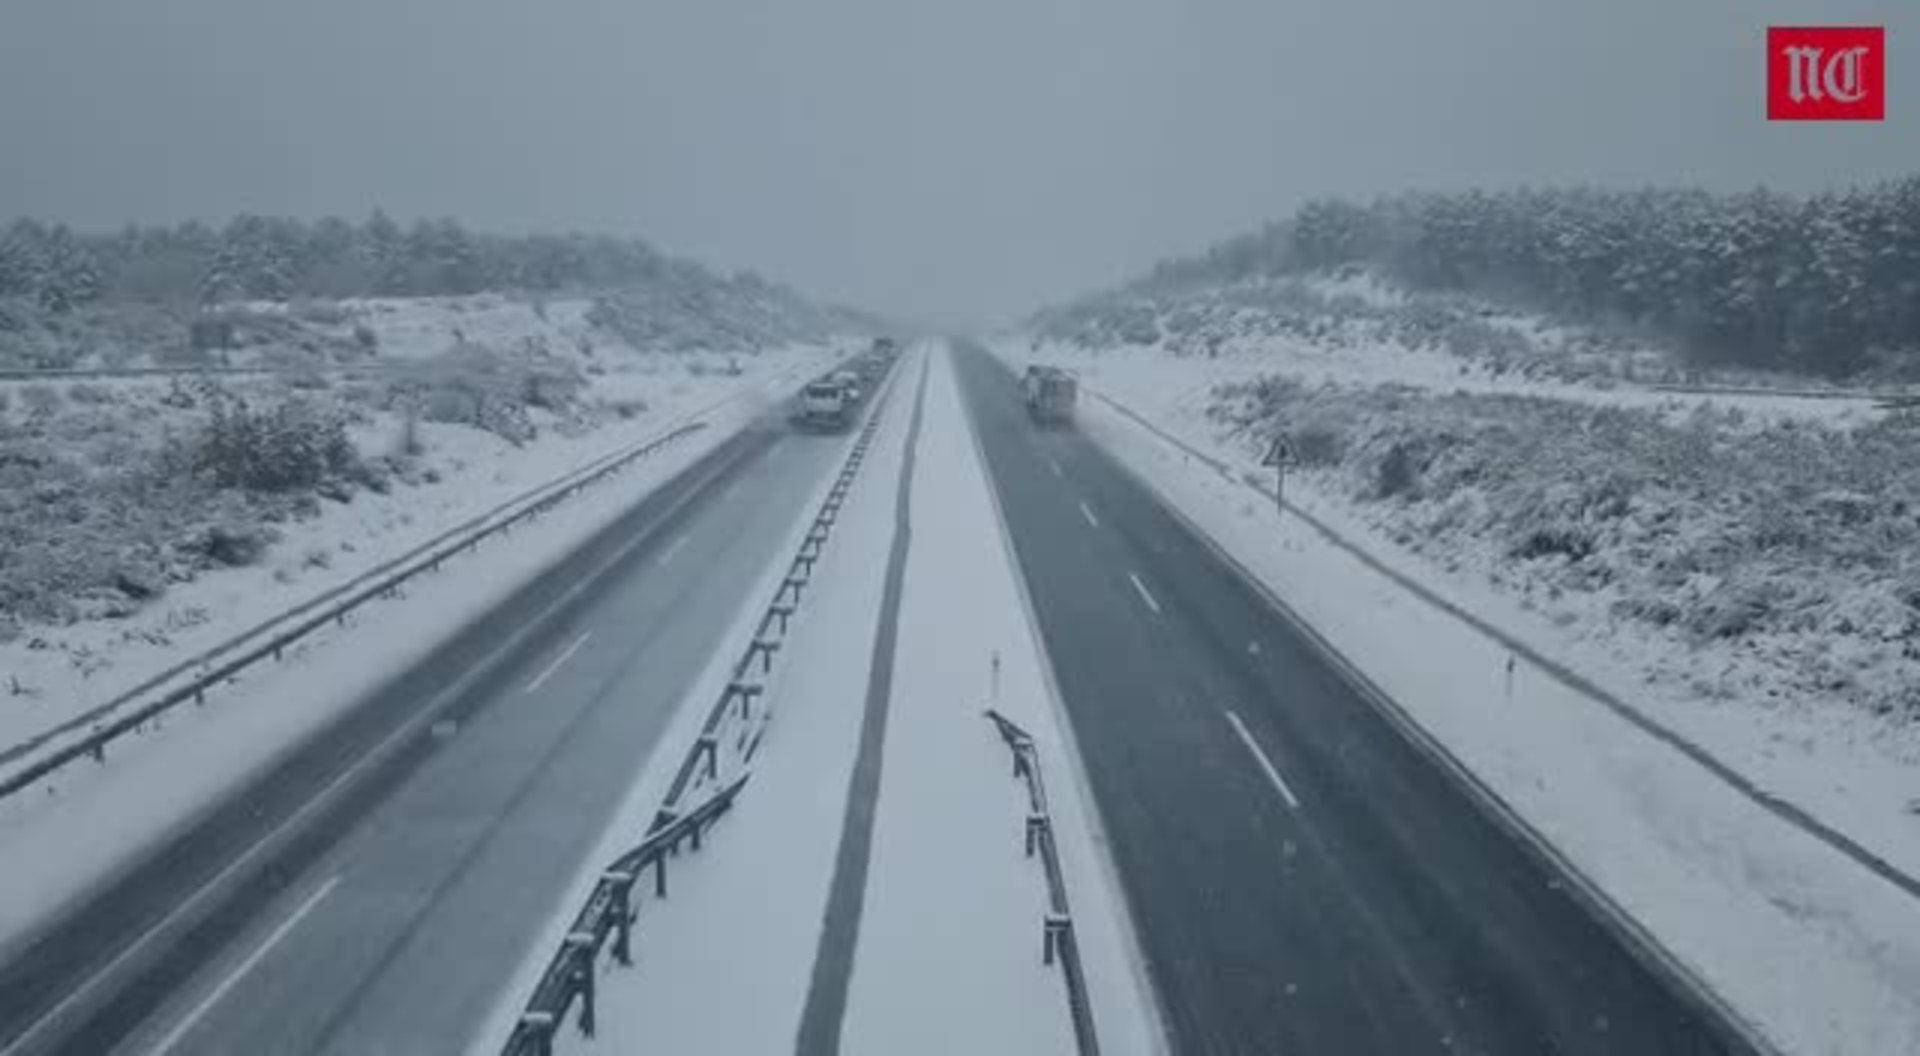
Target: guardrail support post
{"type": "Point", "coordinates": [1053, 933]}
{"type": "Point", "coordinates": [745, 692]}
{"type": "Point", "coordinates": [660, 877]}
{"type": "Point", "coordinates": [1036, 829]}
{"type": "Point", "coordinates": [782, 611]}
{"type": "Point", "coordinates": [539, 1026]}
{"type": "Point", "coordinates": [622, 887]}
{"type": "Point", "coordinates": [764, 648]}
{"type": "Point", "coordinates": [580, 944]}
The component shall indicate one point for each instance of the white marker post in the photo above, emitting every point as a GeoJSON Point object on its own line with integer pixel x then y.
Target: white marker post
{"type": "Point", "coordinates": [1279, 455]}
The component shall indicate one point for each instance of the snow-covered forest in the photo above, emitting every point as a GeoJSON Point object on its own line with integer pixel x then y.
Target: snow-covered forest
{"type": "Point", "coordinates": [170, 295]}
{"type": "Point", "coordinates": [274, 258]}
{"type": "Point", "coordinates": [1827, 284]}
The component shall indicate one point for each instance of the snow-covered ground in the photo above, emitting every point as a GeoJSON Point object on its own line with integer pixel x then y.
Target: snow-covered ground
{"type": "Point", "coordinates": [1815, 950]}
{"type": "Point", "coordinates": [50, 673]}
{"type": "Point", "coordinates": [723, 964]}
{"type": "Point", "coordinates": [1421, 368]}
{"type": "Point", "coordinates": [1353, 325]}
{"type": "Point", "coordinates": [948, 954]}
{"type": "Point", "coordinates": [158, 781]}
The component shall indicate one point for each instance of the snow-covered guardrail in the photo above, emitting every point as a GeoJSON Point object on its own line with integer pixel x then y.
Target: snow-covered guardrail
{"type": "Point", "coordinates": [1886, 399]}
{"type": "Point", "coordinates": [717, 760]}
{"type": "Point", "coordinates": [1780, 807]}
{"type": "Point", "coordinates": [608, 914]}
{"type": "Point", "coordinates": [88, 735]}
{"type": "Point", "coordinates": [53, 374]}
{"type": "Point", "coordinates": [1057, 936]}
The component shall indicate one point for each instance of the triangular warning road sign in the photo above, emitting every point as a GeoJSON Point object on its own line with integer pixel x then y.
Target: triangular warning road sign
{"type": "Point", "coordinates": [1279, 453]}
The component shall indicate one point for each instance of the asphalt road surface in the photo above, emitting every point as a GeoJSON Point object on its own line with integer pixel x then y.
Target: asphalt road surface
{"type": "Point", "coordinates": [1301, 879]}
{"type": "Point", "coordinates": [389, 919]}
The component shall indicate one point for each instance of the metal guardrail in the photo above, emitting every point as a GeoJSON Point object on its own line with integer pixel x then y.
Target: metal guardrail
{"type": "Point", "coordinates": [50, 375]}
{"type": "Point", "coordinates": [1058, 941]}
{"type": "Point", "coordinates": [331, 607]}
{"type": "Point", "coordinates": [610, 912]}
{"type": "Point", "coordinates": [1786, 810]}
{"type": "Point", "coordinates": [729, 734]}
{"type": "Point", "coordinates": [1889, 399]}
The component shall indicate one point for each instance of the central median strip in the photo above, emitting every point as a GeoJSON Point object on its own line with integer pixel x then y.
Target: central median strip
{"type": "Point", "coordinates": [710, 776]}
{"type": "Point", "coordinates": [826, 1005]}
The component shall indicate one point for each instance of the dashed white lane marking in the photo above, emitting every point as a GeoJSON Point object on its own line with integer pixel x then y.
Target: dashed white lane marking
{"type": "Point", "coordinates": [541, 678]}
{"type": "Point", "coordinates": [672, 548]}
{"type": "Point", "coordinates": [1145, 595]}
{"type": "Point", "coordinates": [1266, 764]}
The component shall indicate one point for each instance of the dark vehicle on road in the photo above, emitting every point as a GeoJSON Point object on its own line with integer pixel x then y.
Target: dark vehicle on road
{"type": "Point", "coordinates": [1050, 395]}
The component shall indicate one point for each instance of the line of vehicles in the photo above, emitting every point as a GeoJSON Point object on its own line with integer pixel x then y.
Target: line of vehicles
{"type": "Point", "coordinates": [828, 402]}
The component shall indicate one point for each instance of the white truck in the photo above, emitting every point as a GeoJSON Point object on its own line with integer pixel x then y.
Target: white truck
{"type": "Point", "coordinates": [824, 405]}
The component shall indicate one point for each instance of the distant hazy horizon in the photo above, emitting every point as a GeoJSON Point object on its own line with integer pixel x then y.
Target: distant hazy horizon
{"type": "Point", "coordinates": [951, 163]}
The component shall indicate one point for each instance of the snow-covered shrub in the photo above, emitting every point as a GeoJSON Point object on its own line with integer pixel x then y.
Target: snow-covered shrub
{"type": "Point", "coordinates": [289, 445]}
{"type": "Point", "coordinates": [89, 392]}
{"type": "Point", "coordinates": [1394, 474]}
{"type": "Point", "coordinates": [1776, 536]}
{"type": "Point", "coordinates": [1318, 446]}
{"type": "Point", "coordinates": [40, 399]}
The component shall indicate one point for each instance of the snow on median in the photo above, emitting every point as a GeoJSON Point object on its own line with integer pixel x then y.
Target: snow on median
{"type": "Point", "coordinates": [1814, 950]}
{"type": "Point", "coordinates": [948, 951]}
{"type": "Point", "coordinates": [722, 964]}
{"type": "Point", "coordinates": [949, 958]}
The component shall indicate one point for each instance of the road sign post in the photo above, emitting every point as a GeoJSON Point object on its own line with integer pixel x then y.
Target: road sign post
{"type": "Point", "coordinates": [1279, 456]}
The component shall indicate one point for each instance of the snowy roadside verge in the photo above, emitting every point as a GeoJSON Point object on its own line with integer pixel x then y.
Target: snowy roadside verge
{"type": "Point", "coordinates": [1816, 952]}
{"type": "Point", "coordinates": [61, 681]}
{"type": "Point", "coordinates": [1791, 702]}
{"type": "Point", "coordinates": [949, 881]}
{"type": "Point", "coordinates": [158, 784]}
{"type": "Point", "coordinates": [721, 965]}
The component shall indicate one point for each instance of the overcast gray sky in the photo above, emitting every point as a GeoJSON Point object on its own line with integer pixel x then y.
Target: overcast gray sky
{"type": "Point", "coordinates": [951, 160]}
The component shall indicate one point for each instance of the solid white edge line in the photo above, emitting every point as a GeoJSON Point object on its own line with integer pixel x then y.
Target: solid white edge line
{"type": "Point", "coordinates": [1106, 870]}
{"type": "Point", "coordinates": [1266, 764]}
{"type": "Point", "coordinates": [546, 673]}
{"type": "Point", "coordinates": [322, 798]}
{"type": "Point", "coordinates": [1145, 595]}
{"type": "Point", "coordinates": [1088, 514]}
{"type": "Point", "coordinates": [239, 972]}
{"type": "Point", "coordinates": [1604, 909]}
